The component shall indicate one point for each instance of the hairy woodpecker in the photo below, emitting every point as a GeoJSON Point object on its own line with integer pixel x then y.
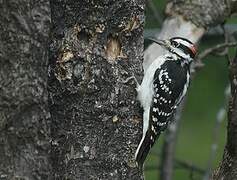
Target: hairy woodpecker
{"type": "Point", "coordinates": [163, 87]}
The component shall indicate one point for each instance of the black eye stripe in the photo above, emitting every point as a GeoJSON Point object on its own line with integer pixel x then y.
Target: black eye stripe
{"type": "Point", "coordinates": [186, 50]}
{"type": "Point", "coordinates": [175, 43]}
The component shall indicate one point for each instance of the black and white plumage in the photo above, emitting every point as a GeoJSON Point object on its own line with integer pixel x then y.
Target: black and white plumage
{"type": "Point", "coordinates": [163, 87]}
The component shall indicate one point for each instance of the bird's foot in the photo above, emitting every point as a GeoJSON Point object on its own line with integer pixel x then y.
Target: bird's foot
{"type": "Point", "coordinates": [129, 79]}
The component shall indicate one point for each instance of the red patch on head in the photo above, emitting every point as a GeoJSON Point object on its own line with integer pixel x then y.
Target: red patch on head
{"type": "Point", "coordinates": [193, 48]}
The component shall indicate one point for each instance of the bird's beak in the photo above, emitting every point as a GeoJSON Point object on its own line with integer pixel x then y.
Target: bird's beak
{"type": "Point", "coordinates": [163, 43]}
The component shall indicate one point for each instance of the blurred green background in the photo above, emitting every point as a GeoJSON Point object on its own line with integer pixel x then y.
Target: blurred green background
{"type": "Point", "coordinates": [205, 98]}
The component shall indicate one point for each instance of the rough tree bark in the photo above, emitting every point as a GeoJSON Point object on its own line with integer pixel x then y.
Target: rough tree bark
{"type": "Point", "coordinates": [24, 127]}
{"type": "Point", "coordinates": [228, 167]}
{"type": "Point", "coordinates": [96, 124]}
{"type": "Point", "coordinates": [189, 19]}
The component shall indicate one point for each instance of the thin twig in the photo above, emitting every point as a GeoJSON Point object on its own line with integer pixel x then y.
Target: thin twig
{"type": "Point", "coordinates": [189, 166]}
{"type": "Point", "coordinates": [215, 48]}
{"type": "Point", "coordinates": [179, 164]}
{"type": "Point", "coordinates": [198, 62]}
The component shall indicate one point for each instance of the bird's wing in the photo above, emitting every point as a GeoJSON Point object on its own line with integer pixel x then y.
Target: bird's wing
{"type": "Point", "coordinates": [170, 85]}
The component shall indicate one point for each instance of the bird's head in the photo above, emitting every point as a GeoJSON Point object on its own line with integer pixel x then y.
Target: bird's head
{"type": "Point", "coordinates": [179, 46]}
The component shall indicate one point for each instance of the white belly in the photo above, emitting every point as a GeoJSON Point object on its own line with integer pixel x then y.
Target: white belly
{"type": "Point", "coordinates": [145, 90]}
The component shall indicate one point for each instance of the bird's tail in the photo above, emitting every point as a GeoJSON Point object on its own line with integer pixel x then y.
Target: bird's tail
{"type": "Point", "coordinates": [148, 139]}
{"type": "Point", "coordinates": [143, 150]}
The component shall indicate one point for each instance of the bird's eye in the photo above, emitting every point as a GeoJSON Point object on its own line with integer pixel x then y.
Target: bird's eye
{"type": "Point", "coordinates": [175, 44]}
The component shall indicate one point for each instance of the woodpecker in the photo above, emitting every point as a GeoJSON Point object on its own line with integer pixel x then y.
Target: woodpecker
{"type": "Point", "coordinates": [163, 87]}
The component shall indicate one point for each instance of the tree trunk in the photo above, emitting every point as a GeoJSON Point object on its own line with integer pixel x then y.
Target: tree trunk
{"type": "Point", "coordinates": [96, 124]}
{"type": "Point", "coordinates": [228, 167]}
{"type": "Point", "coordinates": [24, 127]}
{"type": "Point", "coordinates": [189, 19]}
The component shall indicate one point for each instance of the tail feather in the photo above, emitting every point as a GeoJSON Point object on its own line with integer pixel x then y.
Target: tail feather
{"type": "Point", "coordinates": [148, 139]}
{"type": "Point", "coordinates": [144, 148]}
{"type": "Point", "coordinates": [141, 146]}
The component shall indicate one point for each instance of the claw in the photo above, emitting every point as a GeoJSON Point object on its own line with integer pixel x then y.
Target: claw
{"type": "Point", "coordinates": [130, 78]}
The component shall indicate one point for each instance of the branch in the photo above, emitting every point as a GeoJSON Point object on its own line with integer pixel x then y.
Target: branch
{"type": "Point", "coordinates": [217, 47]}
{"type": "Point", "coordinates": [198, 62]}
{"type": "Point", "coordinates": [215, 31]}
